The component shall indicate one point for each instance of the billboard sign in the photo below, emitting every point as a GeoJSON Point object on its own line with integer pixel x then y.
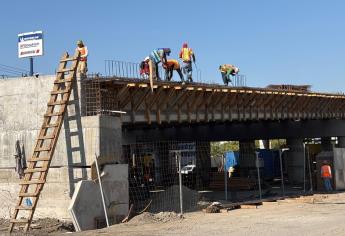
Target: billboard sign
{"type": "Point", "coordinates": [30, 44]}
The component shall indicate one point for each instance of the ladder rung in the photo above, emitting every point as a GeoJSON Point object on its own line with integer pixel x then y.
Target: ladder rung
{"type": "Point", "coordinates": [65, 70]}
{"type": "Point", "coordinates": [39, 159]}
{"type": "Point", "coordinates": [68, 59]}
{"type": "Point", "coordinates": [32, 182]}
{"type": "Point", "coordinates": [35, 170]}
{"type": "Point", "coordinates": [56, 103]}
{"type": "Point", "coordinates": [62, 81]}
{"type": "Point", "coordinates": [42, 149]}
{"type": "Point", "coordinates": [27, 208]}
{"type": "Point", "coordinates": [51, 126]}
{"type": "Point", "coordinates": [53, 114]}
{"type": "Point", "coordinates": [28, 194]}
{"type": "Point", "coordinates": [19, 220]}
{"type": "Point", "coordinates": [59, 92]}
{"type": "Point", "coordinates": [48, 136]}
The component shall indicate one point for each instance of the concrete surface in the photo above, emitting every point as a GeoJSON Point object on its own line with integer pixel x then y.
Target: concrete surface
{"type": "Point", "coordinates": [320, 215]}
{"type": "Point", "coordinates": [86, 204]}
{"type": "Point", "coordinates": [22, 105]}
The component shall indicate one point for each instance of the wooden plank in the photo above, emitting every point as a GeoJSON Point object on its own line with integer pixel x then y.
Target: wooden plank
{"type": "Point", "coordinates": [35, 170]}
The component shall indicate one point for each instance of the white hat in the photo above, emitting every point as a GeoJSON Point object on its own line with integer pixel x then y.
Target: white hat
{"type": "Point", "coordinates": [146, 59]}
{"type": "Point", "coordinates": [236, 70]}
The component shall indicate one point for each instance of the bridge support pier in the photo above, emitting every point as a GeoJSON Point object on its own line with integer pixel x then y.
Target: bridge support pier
{"type": "Point", "coordinates": [295, 160]}
{"type": "Point", "coordinates": [341, 142]}
{"type": "Point", "coordinates": [326, 144]}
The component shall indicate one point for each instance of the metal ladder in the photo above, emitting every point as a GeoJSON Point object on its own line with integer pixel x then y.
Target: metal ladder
{"type": "Point", "coordinates": [37, 170]}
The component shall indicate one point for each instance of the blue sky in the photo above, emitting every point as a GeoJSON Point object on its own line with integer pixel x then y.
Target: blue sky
{"type": "Point", "coordinates": [272, 41]}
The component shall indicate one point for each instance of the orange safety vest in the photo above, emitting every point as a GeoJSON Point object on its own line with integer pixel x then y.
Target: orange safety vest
{"type": "Point", "coordinates": [82, 53]}
{"type": "Point", "coordinates": [186, 54]}
{"type": "Point", "coordinates": [326, 171]}
{"type": "Point", "coordinates": [173, 63]}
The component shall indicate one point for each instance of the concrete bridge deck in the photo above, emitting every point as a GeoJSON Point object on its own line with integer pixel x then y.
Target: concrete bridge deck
{"type": "Point", "coordinates": [174, 103]}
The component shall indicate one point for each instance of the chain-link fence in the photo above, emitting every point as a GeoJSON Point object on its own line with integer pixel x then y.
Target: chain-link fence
{"type": "Point", "coordinates": [184, 176]}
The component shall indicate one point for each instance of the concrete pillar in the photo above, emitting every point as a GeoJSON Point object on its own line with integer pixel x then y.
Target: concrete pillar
{"type": "Point", "coordinates": [266, 143]}
{"type": "Point", "coordinates": [341, 142]}
{"type": "Point", "coordinates": [203, 162]}
{"type": "Point", "coordinates": [295, 160]}
{"type": "Point", "coordinates": [326, 144]}
{"type": "Point", "coordinates": [247, 154]}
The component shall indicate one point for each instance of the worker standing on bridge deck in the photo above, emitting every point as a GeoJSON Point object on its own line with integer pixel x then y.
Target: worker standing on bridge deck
{"type": "Point", "coordinates": [169, 67]}
{"type": "Point", "coordinates": [157, 56]}
{"type": "Point", "coordinates": [326, 175]}
{"type": "Point", "coordinates": [82, 65]}
{"type": "Point", "coordinates": [226, 70]}
{"type": "Point", "coordinates": [145, 68]}
{"type": "Point", "coordinates": [187, 55]}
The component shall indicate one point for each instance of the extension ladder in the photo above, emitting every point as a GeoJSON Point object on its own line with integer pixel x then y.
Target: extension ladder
{"type": "Point", "coordinates": [37, 170]}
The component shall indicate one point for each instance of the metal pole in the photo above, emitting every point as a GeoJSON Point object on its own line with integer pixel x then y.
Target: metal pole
{"type": "Point", "coordinates": [281, 172]}
{"type": "Point", "coordinates": [31, 66]}
{"type": "Point", "coordinates": [304, 177]}
{"type": "Point", "coordinates": [258, 169]}
{"type": "Point", "coordinates": [309, 169]}
{"type": "Point", "coordinates": [180, 182]}
{"type": "Point", "coordinates": [102, 194]}
{"type": "Point", "coordinates": [225, 180]}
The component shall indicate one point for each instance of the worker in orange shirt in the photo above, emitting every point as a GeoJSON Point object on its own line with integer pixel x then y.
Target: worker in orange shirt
{"type": "Point", "coordinates": [169, 67]}
{"type": "Point", "coordinates": [82, 65]}
{"type": "Point", "coordinates": [187, 56]}
{"type": "Point", "coordinates": [326, 175]}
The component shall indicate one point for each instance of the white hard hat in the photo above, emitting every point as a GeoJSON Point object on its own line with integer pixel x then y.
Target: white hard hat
{"type": "Point", "coordinates": [236, 70]}
{"type": "Point", "coordinates": [146, 59]}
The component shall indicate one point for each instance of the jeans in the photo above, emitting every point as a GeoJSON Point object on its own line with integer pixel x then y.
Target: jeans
{"type": "Point", "coordinates": [327, 184]}
{"type": "Point", "coordinates": [226, 78]}
{"type": "Point", "coordinates": [187, 71]}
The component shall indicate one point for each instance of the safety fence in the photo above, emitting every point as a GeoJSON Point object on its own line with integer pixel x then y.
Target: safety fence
{"type": "Point", "coordinates": [187, 176]}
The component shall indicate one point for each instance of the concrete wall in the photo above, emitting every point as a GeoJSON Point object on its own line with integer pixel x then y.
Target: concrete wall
{"type": "Point", "coordinates": [22, 105]}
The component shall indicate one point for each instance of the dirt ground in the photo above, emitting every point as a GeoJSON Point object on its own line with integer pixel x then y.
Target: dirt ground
{"type": "Point", "coordinates": [314, 215]}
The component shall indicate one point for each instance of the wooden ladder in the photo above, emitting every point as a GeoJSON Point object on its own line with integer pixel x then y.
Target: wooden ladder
{"type": "Point", "coordinates": [36, 173]}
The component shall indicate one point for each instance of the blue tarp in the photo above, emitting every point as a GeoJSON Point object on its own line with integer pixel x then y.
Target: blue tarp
{"type": "Point", "coordinates": [231, 159]}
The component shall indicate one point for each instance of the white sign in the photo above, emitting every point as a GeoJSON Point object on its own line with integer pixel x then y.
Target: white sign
{"type": "Point", "coordinates": [30, 44]}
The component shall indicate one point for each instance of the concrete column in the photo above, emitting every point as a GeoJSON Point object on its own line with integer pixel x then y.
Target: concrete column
{"type": "Point", "coordinates": [326, 144]}
{"type": "Point", "coordinates": [341, 142]}
{"type": "Point", "coordinates": [265, 143]}
{"type": "Point", "coordinates": [247, 153]}
{"type": "Point", "coordinates": [295, 160]}
{"type": "Point", "coordinates": [203, 162]}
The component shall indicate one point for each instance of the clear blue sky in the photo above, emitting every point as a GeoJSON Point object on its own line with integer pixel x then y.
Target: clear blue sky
{"type": "Point", "coordinates": [272, 41]}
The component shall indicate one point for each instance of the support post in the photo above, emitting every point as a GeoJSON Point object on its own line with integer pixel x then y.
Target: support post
{"type": "Point", "coordinates": [281, 172]}
{"type": "Point", "coordinates": [102, 194]}
{"type": "Point", "coordinates": [178, 156]}
{"type": "Point", "coordinates": [225, 180]}
{"type": "Point", "coordinates": [304, 173]}
{"type": "Point", "coordinates": [309, 169]}
{"type": "Point", "coordinates": [258, 169]}
{"type": "Point", "coordinates": [31, 66]}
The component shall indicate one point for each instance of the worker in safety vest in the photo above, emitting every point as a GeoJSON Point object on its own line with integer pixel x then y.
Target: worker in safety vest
{"type": "Point", "coordinates": [326, 175]}
{"type": "Point", "coordinates": [157, 56]}
{"type": "Point", "coordinates": [82, 65]}
{"type": "Point", "coordinates": [228, 70]}
{"type": "Point", "coordinates": [169, 67]}
{"type": "Point", "coordinates": [187, 56]}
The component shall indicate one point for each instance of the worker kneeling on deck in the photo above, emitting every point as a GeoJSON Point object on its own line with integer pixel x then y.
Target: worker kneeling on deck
{"type": "Point", "coordinates": [169, 67]}
{"type": "Point", "coordinates": [82, 65]}
{"type": "Point", "coordinates": [145, 68]}
{"type": "Point", "coordinates": [228, 70]}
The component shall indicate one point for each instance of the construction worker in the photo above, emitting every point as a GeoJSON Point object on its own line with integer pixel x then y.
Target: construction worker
{"type": "Point", "coordinates": [226, 70]}
{"type": "Point", "coordinates": [145, 68]}
{"type": "Point", "coordinates": [326, 175]}
{"type": "Point", "coordinates": [169, 67]}
{"type": "Point", "coordinates": [157, 56]}
{"type": "Point", "coordinates": [187, 56]}
{"type": "Point", "coordinates": [82, 65]}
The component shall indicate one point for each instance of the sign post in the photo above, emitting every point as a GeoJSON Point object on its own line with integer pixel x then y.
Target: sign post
{"type": "Point", "coordinates": [30, 45]}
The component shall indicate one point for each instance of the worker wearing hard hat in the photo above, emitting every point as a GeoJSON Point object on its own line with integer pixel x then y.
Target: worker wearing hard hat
{"type": "Point", "coordinates": [169, 67]}
{"type": "Point", "coordinates": [228, 70]}
{"type": "Point", "coordinates": [187, 55]}
{"type": "Point", "coordinates": [145, 68]}
{"type": "Point", "coordinates": [82, 65]}
{"type": "Point", "coordinates": [157, 56]}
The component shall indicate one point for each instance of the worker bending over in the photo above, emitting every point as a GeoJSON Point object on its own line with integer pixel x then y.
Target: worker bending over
{"type": "Point", "coordinates": [145, 68]}
{"type": "Point", "coordinates": [187, 55]}
{"type": "Point", "coordinates": [82, 65]}
{"type": "Point", "coordinates": [169, 67]}
{"type": "Point", "coordinates": [227, 70]}
{"type": "Point", "coordinates": [157, 56]}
